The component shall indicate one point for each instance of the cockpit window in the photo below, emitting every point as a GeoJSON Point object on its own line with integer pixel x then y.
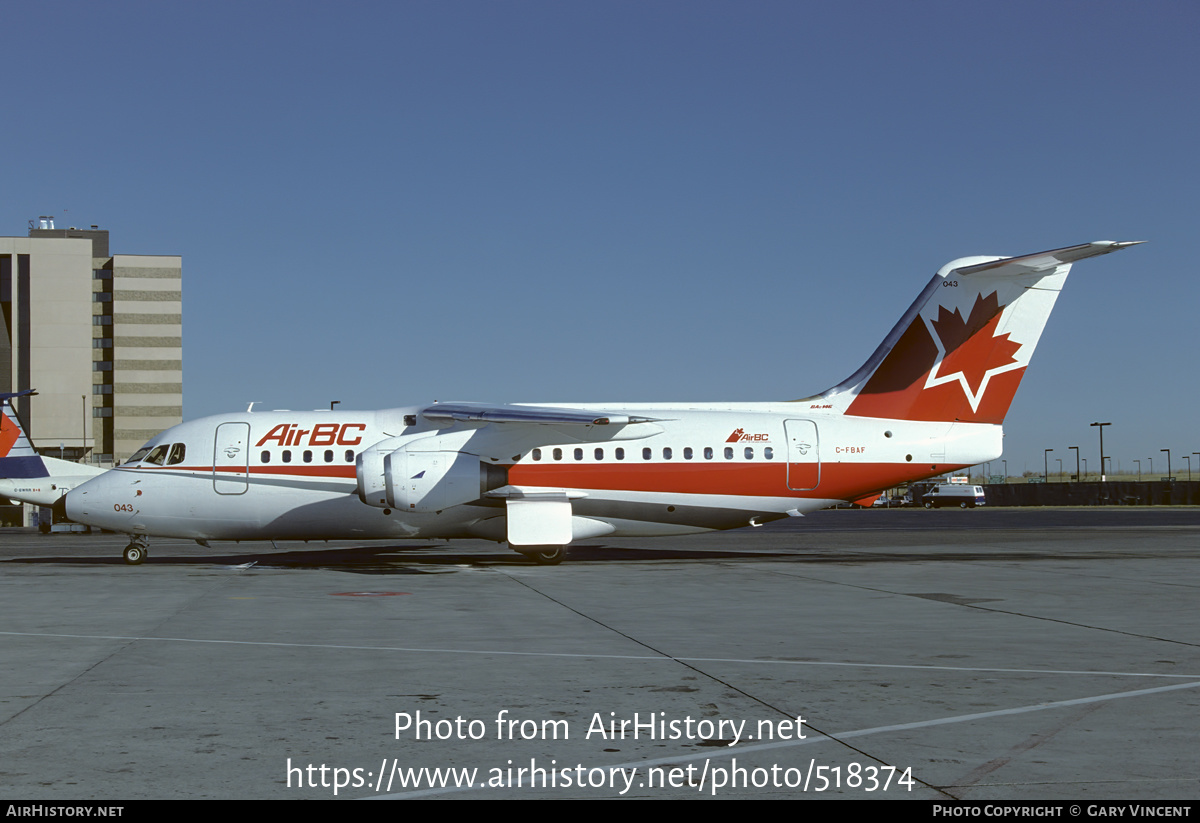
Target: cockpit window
{"type": "Point", "coordinates": [137, 456]}
{"type": "Point", "coordinates": [157, 455]}
{"type": "Point", "coordinates": [177, 452]}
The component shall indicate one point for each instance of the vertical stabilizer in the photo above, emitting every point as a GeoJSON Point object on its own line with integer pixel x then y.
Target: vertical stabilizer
{"type": "Point", "coordinates": [17, 455]}
{"type": "Point", "coordinates": [959, 352]}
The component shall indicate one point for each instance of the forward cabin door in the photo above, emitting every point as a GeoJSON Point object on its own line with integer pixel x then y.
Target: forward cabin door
{"type": "Point", "coordinates": [231, 458]}
{"type": "Point", "coordinates": [803, 454]}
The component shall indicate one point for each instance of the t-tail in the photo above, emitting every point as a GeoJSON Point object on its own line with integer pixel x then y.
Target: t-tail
{"type": "Point", "coordinates": [26, 475]}
{"type": "Point", "coordinates": [959, 352]}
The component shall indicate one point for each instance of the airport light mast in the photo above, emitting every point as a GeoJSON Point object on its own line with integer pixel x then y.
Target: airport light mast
{"type": "Point", "coordinates": [1102, 425]}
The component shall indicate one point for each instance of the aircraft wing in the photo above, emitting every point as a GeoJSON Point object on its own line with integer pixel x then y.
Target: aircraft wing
{"type": "Point", "coordinates": [547, 415]}
{"type": "Point", "coordinates": [1044, 260]}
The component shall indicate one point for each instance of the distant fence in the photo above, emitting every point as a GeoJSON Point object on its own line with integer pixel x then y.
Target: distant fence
{"type": "Point", "coordinates": [1156, 493]}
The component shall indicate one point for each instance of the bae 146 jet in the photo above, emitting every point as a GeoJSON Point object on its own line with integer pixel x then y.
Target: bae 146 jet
{"type": "Point", "coordinates": [930, 399]}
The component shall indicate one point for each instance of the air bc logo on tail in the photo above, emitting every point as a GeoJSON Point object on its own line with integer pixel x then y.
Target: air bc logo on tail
{"type": "Point", "coordinates": [322, 434]}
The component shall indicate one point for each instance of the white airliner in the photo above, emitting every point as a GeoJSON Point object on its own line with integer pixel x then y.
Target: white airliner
{"type": "Point", "coordinates": [929, 400]}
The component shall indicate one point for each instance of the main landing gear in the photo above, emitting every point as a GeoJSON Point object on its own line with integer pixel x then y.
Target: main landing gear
{"type": "Point", "coordinates": [544, 555]}
{"type": "Point", "coordinates": [137, 549]}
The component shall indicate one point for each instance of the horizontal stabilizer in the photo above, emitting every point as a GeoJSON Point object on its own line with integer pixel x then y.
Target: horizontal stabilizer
{"type": "Point", "coordinates": [547, 415]}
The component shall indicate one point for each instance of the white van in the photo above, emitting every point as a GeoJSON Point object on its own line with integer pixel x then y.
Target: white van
{"type": "Point", "coordinates": [954, 494]}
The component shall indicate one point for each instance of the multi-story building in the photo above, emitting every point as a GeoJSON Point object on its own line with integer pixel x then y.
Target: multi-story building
{"type": "Point", "coordinates": [99, 336]}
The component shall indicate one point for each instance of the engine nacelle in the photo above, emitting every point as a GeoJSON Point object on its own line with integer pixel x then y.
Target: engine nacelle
{"type": "Point", "coordinates": [424, 474]}
{"type": "Point", "coordinates": [429, 481]}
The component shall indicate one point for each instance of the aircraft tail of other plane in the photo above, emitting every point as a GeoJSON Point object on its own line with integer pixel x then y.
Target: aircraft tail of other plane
{"type": "Point", "coordinates": [959, 352]}
{"type": "Point", "coordinates": [19, 459]}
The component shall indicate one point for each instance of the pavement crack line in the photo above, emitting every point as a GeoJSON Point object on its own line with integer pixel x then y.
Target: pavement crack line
{"type": "Point", "coordinates": [714, 678]}
{"type": "Point", "coordinates": [129, 641]}
{"type": "Point", "coordinates": [994, 610]}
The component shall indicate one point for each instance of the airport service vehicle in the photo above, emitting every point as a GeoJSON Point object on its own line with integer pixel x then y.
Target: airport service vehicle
{"type": "Point", "coordinates": [954, 494]}
{"type": "Point", "coordinates": [930, 399]}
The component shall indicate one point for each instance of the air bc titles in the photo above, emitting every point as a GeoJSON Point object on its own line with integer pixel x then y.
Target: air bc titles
{"type": "Point", "coordinates": [322, 434]}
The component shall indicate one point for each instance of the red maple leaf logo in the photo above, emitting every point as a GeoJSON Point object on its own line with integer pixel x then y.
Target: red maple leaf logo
{"type": "Point", "coordinates": [972, 347]}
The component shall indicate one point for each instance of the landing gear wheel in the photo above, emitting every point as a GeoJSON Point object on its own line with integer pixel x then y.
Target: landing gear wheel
{"type": "Point", "coordinates": [552, 556]}
{"type": "Point", "coordinates": [136, 551]}
{"type": "Point", "coordinates": [544, 555]}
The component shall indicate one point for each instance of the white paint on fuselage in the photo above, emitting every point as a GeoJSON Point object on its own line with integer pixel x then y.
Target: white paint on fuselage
{"type": "Point", "coordinates": [318, 500]}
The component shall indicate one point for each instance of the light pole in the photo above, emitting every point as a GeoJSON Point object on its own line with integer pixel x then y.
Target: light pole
{"type": "Point", "coordinates": [1139, 462]}
{"type": "Point", "coordinates": [1102, 425]}
{"type": "Point", "coordinates": [1059, 459]}
{"type": "Point", "coordinates": [1188, 458]}
{"type": "Point", "coordinates": [1005, 462]}
{"type": "Point", "coordinates": [1076, 448]}
{"type": "Point", "coordinates": [1085, 467]}
{"type": "Point", "coordinates": [1168, 451]}
{"type": "Point", "coordinates": [1046, 466]}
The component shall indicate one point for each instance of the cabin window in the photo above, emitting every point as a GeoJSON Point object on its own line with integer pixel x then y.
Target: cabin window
{"type": "Point", "coordinates": [687, 453]}
{"type": "Point", "coordinates": [749, 452]}
{"type": "Point", "coordinates": [349, 455]}
{"type": "Point", "coordinates": [329, 455]}
{"type": "Point", "coordinates": [558, 454]}
{"type": "Point", "coordinates": [599, 454]}
{"type": "Point", "coordinates": [287, 455]}
{"type": "Point", "coordinates": [537, 454]}
{"type": "Point", "coordinates": [620, 454]}
{"type": "Point", "coordinates": [646, 454]}
{"type": "Point", "coordinates": [728, 453]}
{"type": "Point", "coordinates": [769, 453]}
{"type": "Point", "coordinates": [708, 453]}
{"type": "Point", "coordinates": [265, 456]}
{"type": "Point", "coordinates": [307, 456]}
{"type": "Point", "coordinates": [579, 454]}
{"type": "Point", "coordinates": [667, 453]}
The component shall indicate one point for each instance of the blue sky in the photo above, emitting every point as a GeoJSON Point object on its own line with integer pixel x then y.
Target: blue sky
{"type": "Point", "coordinates": [391, 203]}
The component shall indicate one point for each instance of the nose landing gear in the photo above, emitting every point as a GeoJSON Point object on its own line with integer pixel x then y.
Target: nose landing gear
{"type": "Point", "coordinates": [137, 550]}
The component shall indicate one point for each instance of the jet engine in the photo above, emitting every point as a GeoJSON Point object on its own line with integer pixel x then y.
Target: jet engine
{"type": "Point", "coordinates": [423, 475]}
